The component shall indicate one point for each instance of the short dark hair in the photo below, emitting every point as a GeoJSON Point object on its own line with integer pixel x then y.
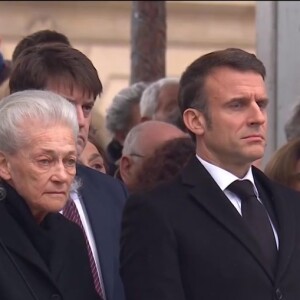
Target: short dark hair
{"type": "Point", "coordinates": [37, 38]}
{"type": "Point", "coordinates": [41, 64]}
{"type": "Point", "coordinates": [191, 86]}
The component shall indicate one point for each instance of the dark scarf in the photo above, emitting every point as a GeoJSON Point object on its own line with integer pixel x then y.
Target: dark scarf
{"type": "Point", "coordinates": [42, 236]}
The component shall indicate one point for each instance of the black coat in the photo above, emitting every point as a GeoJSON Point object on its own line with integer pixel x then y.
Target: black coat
{"type": "Point", "coordinates": [186, 241]}
{"type": "Point", "coordinates": [41, 262]}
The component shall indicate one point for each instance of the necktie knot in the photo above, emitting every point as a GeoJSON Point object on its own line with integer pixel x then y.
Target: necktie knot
{"type": "Point", "coordinates": [243, 188]}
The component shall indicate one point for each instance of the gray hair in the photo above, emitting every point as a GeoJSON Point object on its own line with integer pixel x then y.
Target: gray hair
{"type": "Point", "coordinates": [292, 127]}
{"type": "Point", "coordinates": [149, 100]}
{"type": "Point", "coordinates": [118, 115]}
{"type": "Point", "coordinates": [44, 106]}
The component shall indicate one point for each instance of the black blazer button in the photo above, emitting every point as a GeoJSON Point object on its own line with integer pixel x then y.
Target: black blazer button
{"type": "Point", "coordinates": [279, 294]}
{"type": "Point", "coordinates": [55, 297]}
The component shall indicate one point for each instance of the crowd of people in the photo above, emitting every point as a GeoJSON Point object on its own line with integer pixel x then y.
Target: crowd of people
{"type": "Point", "coordinates": [176, 206]}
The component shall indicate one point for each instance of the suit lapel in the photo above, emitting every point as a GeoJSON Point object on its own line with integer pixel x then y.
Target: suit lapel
{"type": "Point", "coordinates": [285, 215]}
{"type": "Point", "coordinates": [207, 193]}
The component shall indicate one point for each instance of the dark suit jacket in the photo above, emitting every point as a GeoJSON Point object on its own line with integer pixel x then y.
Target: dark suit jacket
{"type": "Point", "coordinates": [104, 198]}
{"type": "Point", "coordinates": [186, 241]}
{"type": "Point", "coordinates": [33, 270]}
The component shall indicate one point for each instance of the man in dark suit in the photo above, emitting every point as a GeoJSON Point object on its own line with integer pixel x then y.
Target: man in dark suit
{"type": "Point", "coordinates": [100, 199]}
{"type": "Point", "coordinates": [194, 237]}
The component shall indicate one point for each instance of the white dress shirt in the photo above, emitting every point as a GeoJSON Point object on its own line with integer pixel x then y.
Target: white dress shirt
{"type": "Point", "coordinates": [224, 178]}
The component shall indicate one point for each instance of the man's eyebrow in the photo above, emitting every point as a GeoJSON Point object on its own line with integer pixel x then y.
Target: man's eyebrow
{"type": "Point", "coordinates": [263, 99]}
{"type": "Point", "coordinates": [89, 101]}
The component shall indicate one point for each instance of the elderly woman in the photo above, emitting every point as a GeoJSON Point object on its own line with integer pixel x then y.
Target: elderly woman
{"type": "Point", "coordinates": [42, 254]}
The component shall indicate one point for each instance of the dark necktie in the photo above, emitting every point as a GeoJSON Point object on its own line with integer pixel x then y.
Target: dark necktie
{"type": "Point", "coordinates": [70, 212]}
{"type": "Point", "coordinates": [255, 216]}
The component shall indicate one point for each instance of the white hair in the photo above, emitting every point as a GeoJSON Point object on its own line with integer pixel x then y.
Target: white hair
{"type": "Point", "coordinates": [149, 99]}
{"type": "Point", "coordinates": [45, 107]}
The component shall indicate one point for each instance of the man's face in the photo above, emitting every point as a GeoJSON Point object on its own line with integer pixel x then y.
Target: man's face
{"type": "Point", "coordinates": [147, 141]}
{"type": "Point", "coordinates": [237, 108]}
{"type": "Point", "coordinates": [43, 169]}
{"type": "Point", "coordinates": [83, 104]}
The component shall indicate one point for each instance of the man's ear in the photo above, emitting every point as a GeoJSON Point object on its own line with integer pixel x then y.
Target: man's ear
{"type": "Point", "coordinates": [4, 167]}
{"type": "Point", "coordinates": [125, 168]}
{"type": "Point", "coordinates": [194, 120]}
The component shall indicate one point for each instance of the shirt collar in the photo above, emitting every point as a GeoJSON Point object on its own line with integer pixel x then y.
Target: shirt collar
{"type": "Point", "coordinates": [224, 178]}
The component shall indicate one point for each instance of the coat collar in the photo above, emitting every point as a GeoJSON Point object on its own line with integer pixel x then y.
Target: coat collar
{"type": "Point", "coordinates": [17, 241]}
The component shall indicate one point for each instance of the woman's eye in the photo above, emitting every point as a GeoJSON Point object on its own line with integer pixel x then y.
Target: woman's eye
{"type": "Point", "coordinates": [71, 162]}
{"type": "Point", "coordinates": [44, 162]}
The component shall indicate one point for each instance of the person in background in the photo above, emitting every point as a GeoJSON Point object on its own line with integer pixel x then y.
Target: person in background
{"type": "Point", "coordinates": [284, 165]}
{"type": "Point", "coordinates": [4, 89]}
{"type": "Point", "coordinates": [91, 157]}
{"type": "Point", "coordinates": [44, 36]}
{"type": "Point", "coordinates": [221, 229]}
{"type": "Point", "coordinates": [121, 116]}
{"type": "Point", "coordinates": [292, 126]}
{"type": "Point", "coordinates": [98, 204]}
{"type": "Point", "coordinates": [159, 102]}
{"type": "Point", "coordinates": [5, 70]}
{"type": "Point", "coordinates": [43, 255]}
{"type": "Point", "coordinates": [36, 38]}
{"type": "Point", "coordinates": [165, 163]}
{"type": "Point", "coordinates": [140, 143]}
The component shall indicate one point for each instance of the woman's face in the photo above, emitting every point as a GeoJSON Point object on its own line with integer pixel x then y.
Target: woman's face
{"type": "Point", "coordinates": [43, 170]}
{"type": "Point", "coordinates": [91, 157]}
